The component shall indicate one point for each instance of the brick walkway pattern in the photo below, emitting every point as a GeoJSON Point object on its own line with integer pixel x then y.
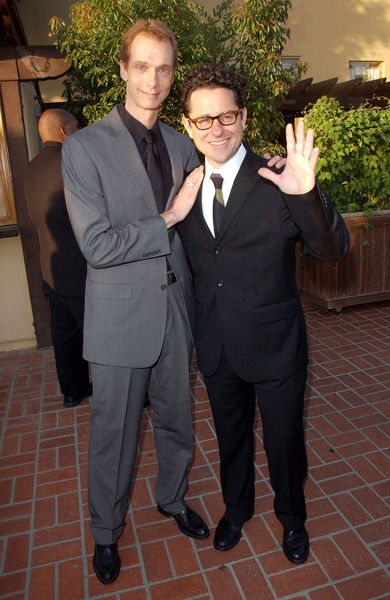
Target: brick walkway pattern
{"type": "Point", "coordinates": [45, 544]}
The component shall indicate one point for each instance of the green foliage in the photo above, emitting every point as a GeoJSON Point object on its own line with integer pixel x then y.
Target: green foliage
{"type": "Point", "coordinates": [248, 38]}
{"type": "Point", "coordinates": [354, 163]}
{"type": "Point", "coordinates": [256, 33]}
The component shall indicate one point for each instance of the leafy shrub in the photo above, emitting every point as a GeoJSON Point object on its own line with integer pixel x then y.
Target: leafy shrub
{"type": "Point", "coordinates": [354, 163]}
{"type": "Point", "coordinates": [247, 36]}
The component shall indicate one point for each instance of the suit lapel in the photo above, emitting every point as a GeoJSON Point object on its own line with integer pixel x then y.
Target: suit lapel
{"type": "Point", "coordinates": [126, 152]}
{"type": "Point", "coordinates": [246, 178]}
{"type": "Point", "coordinates": [174, 152]}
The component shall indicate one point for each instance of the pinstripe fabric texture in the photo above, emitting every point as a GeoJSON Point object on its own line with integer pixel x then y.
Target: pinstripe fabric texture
{"type": "Point", "coordinates": [114, 216]}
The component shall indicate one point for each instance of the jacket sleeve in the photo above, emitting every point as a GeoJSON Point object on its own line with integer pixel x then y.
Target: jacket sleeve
{"type": "Point", "coordinates": [320, 227]}
{"type": "Point", "coordinates": [102, 244]}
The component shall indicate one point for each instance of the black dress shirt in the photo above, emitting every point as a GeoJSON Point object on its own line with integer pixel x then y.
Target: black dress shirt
{"type": "Point", "coordinates": [137, 130]}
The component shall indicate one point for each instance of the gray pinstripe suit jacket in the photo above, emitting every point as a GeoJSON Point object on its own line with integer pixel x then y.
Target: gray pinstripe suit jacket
{"type": "Point", "coordinates": [124, 240]}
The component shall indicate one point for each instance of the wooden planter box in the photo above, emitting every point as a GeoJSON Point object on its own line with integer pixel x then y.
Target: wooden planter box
{"type": "Point", "coordinates": [363, 276]}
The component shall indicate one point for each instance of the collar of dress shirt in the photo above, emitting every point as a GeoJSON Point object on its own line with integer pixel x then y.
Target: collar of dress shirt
{"type": "Point", "coordinates": [136, 128]}
{"type": "Point", "coordinates": [229, 172]}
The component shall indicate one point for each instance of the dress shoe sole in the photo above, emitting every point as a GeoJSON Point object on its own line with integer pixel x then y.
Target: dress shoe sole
{"type": "Point", "coordinates": [73, 403]}
{"type": "Point", "coordinates": [183, 529]}
{"type": "Point", "coordinates": [224, 548]}
{"type": "Point", "coordinates": [114, 576]}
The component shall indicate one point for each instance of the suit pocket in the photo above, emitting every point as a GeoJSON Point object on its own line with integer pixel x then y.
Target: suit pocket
{"type": "Point", "coordinates": [112, 291]}
{"type": "Point", "coordinates": [276, 312]}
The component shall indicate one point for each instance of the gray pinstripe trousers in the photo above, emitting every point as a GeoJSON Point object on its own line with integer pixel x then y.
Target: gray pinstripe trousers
{"type": "Point", "coordinates": [117, 404]}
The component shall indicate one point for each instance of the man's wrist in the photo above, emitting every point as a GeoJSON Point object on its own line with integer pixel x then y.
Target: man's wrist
{"type": "Point", "coordinates": [170, 218]}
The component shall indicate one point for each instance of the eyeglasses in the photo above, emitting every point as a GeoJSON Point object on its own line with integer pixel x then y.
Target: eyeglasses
{"type": "Point", "coordinates": [227, 118]}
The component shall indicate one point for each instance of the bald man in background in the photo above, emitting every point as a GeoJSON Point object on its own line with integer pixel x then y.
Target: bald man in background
{"type": "Point", "coordinates": [62, 264]}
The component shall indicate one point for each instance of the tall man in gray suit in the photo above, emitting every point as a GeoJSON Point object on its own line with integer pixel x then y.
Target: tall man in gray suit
{"type": "Point", "coordinates": [122, 177]}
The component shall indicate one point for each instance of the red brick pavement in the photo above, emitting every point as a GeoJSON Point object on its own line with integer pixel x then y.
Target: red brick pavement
{"type": "Point", "coordinates": [45, 545]}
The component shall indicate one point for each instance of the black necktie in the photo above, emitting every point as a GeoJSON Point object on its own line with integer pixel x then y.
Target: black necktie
{"type": "Point", "coordinates": [153, 168]}
{"type": "Point", "coordinates": [218, 203]}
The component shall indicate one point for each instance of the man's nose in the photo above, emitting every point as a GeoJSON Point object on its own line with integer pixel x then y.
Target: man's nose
{"type": "Point", "coordinates": [152, 77]}
{"type": "Point", "coordinates": [216, 127]}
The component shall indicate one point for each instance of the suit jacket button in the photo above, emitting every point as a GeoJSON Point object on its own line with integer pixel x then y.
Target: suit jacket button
{"type": "Point", "coordinates": [220, 283]}
{"type": "Point", "coordinates": [163, 287]}
{"type": "Point", "coordinates": [217, 250]}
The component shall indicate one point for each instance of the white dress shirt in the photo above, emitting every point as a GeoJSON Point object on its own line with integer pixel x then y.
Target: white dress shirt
{"type": "Point", "coordinates": [229, 172]}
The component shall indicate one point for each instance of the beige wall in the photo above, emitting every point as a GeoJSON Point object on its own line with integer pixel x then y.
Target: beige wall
{"type": "Point", "coordinates": [16, 320]}
{"type": "Point", "coordinates": [35, 16]}
{"type": "Point", "coordinates": [327, 34]}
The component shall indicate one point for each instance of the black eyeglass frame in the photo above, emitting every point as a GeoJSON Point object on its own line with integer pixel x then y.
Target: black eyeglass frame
{"type": "Point", "coordinates": [218, 117]}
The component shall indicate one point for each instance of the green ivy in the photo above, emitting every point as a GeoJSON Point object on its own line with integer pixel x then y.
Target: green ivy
{"type": "Point", "coordinates": [354, 163]}
{"type": "Point", "coordinates": [248, 38]}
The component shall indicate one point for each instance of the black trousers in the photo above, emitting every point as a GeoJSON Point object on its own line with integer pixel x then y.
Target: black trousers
{"type": "Point", "coordinates": [281, 409]}
{"type": "Point", "coordinates": [66, 323]}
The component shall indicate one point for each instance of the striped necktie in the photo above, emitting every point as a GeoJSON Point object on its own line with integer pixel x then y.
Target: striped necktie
{"type": "Point", "coordinates": [218, 203]}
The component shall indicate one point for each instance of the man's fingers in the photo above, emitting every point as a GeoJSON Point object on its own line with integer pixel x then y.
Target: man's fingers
{"type": "Point", "coordinates": [300, 137]}
{"type": "Point", "coordinates": [290, 139]}
{"type": "Point", "coordinates": [268, 174]}
{"type": "Point", "coordinates": [309, 142]}
{"type": "Point", "coordinates": [194, 179]}
{"type": "Point", "coordinates": [314, 157]}
{"type": "Point", "coordinates": [275, 161]}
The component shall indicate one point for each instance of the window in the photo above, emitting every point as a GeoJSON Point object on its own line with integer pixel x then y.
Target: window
{"type": "Point", "coordinates": [289, 63]}
{"type": "Point", "coordinates": [368, 70]}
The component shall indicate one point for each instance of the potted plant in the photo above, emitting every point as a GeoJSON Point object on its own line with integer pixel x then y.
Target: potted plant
{"type": "Point", "coordinates": [354, 169]}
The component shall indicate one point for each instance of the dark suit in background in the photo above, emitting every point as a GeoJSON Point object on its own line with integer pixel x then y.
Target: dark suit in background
{"type": "Point", "coordinates": [63, 268]}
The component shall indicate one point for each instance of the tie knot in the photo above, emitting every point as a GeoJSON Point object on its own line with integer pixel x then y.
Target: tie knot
{"type": "Point", "coordinates": [217, 180]}
{"type": "Point", "coordinates": [149, 136]}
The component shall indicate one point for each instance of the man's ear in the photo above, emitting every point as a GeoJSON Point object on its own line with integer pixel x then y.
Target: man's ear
{"type": "Point", "coordinates": [186, 123]}
{"type": "Point", "coordinates": [123, 71]}
{"type": "Point", "coordinates": [62, 133]}
{"type": "Point", "coordinates": [244, 115]}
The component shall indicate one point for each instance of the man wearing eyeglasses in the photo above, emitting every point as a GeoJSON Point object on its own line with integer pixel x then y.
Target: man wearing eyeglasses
{"type": "Point", "coordinates": [240, 238]}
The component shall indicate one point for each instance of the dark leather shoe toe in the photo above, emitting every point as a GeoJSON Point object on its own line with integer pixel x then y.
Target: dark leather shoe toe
{"type": "Point", "coordinates": [189, 522]}
{"type": "Point", "coordinates": [227, 534]}
{"type": "Point", "coordinates": [106, 562]}
{"type": "Point", "coordinates": [70, 401]}
{"type": "Point", "coordinates": [296, 545]}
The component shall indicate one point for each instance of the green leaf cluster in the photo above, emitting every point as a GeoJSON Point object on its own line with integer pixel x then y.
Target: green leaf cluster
{"type": "Point", "coordinates": [248, 37]}
{"type": "Point", "coordinates": [354, 163]}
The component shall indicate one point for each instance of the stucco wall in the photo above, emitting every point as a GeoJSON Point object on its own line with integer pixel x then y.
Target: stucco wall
{"type": "Point", "coordinates": [328, 34]}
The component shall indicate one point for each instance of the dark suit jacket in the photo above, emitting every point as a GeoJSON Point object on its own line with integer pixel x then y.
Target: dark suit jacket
{"type": "Point", "coordinates": [63, 266]}
{"type": "Point", "coordinates": [245, 287]}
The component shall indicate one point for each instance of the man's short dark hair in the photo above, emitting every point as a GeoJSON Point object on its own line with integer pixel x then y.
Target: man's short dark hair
{"type": "Point", "coordinates": [212, 76]}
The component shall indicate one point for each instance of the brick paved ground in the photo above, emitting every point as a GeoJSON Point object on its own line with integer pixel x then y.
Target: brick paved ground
{"type": "Point", "coordinates": [45, 548]}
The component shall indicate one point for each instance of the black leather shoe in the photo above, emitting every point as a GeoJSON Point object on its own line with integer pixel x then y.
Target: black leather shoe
{"type": "Point", "coordinates": [106, 562]}
{"type": "Point", "coordinates": [227, 534]}
{"type": "Point", "coordinates": [189, 522]}
{"type": "Point", "coordinates": [296, 545]}
{"type": "Point", "coordinates": [70, 401]}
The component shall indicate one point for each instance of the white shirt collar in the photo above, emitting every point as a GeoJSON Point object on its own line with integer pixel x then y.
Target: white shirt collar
{"type": "Point", "coordinates": [229, 172]}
